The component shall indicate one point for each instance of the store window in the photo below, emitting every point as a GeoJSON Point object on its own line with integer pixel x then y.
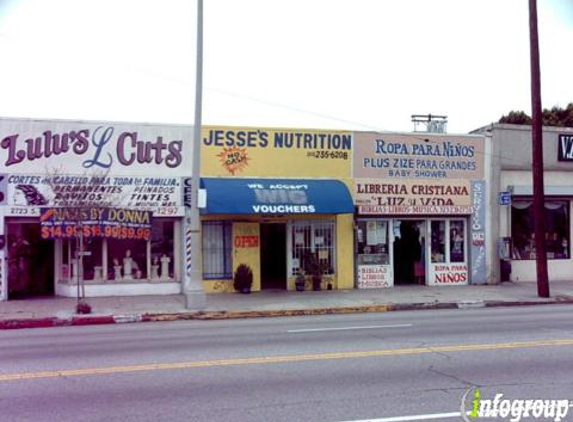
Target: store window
{"type": "Point", "coordinates": [162, 250]}
{"type": "Point", "coordinates": [457, 241]}
{"type": "Point", "coordinates": [438, 251]}
{"type": "Point", "coordinates": [372, 241]}
{"type": "Point", "coordinates": [126, 260]}
{"type": "Point", "coordinates": [556, 226]}
{"type": "Point", "coordinates": [129, 256]}
{"type": "Point", "coordinates": [311, 241]}
{"type": "Point", "coordinates": [92, 268]}
{"type": "Point", "coordinates": [217, 250]}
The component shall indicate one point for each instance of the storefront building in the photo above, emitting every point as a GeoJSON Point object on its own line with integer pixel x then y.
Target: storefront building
{"type": "Point", "coordinates": [421, 209]}
{"type": "Point", "coordinates": [367, 209]}
{"type": "Point", "coordinates": [512, 199]}
{"type": "Point", "coordinates": [118, 184]}
{"type": "Point", "coordinates": [276, 200]}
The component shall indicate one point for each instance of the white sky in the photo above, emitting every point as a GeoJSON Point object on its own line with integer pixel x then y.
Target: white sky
{"type": "Point", "coordinates": [341, 64]}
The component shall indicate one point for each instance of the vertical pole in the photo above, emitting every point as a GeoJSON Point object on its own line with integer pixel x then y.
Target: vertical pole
{"type": "Point", "coordinates": [81, 260]}
{"type": "Point", "coordinates": [77, 268]}
{"type": "Point", "coordinates": [537, 143]}
{"type": "Point", "coordinates": [192, 283]}
{"type": "Point", "coordinates": [3, 253]}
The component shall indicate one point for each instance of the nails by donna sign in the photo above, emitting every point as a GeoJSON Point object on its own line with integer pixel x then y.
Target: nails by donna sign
{"type": "Point", "coordinates": [89, 222]}
{"type": "Point", "coordinates": [77, 147]}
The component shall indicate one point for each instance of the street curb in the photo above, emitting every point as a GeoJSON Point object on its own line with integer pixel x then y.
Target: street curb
{"type": "Point", "coordinates": [84, 320]}
{"type": "Point", "coordinates": [422, 306]}
{"type": "Point", "coordinates": [218, 315]}
{"type": "Point", "coordinates": [559, 300]}
{"type": "Point", "coordinates": [10, 324]}
{"type": "Point", "coordinates": [92, 320]}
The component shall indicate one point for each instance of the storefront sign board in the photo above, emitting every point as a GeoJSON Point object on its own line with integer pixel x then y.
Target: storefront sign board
{"type": "Point", "coordinates": [162, 195]}
{"type": "Point", "coordinates": [565, 147]}
{"type": "Point", "coordinates": [74, 147]}
{"type": "Point", "coordinates": [448, 274]}
{"type": "Point", "coordinates": [3, 189]}
{"type": "Point", "coordinates": [391, 196]}
{"type": "Point", "coordinates": [477, 230]}
{"type": "Point", "coordinates": [374, 276]}
{"type": "Point", "coordinates": [276, 196]}
{"type": "Point", "coordinates": [254, 151]}
{"type": "Point", "coordinates": [246, 241]}
{"type": "Point", "coordinates": [418, 156]}
{"type": "Point", "coordinates": [113, 223]}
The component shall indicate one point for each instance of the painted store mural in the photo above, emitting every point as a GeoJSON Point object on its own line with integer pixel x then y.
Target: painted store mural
{"type": "Point", "coordinates": [420, 211]}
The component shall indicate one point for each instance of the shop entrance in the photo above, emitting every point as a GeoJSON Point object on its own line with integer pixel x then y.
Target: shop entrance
{"type": "Point", "coordinates": [448, 252]}
{"type": "Point", "coordinates": [273, 256]}
{"type": "Point", "coordinates": [30, 261]}
{"type": "Point", "coordinates": [409, 251]}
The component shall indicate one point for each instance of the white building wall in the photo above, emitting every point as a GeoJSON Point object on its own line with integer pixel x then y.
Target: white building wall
{"type": "Point", "coordinates": [525, 270]}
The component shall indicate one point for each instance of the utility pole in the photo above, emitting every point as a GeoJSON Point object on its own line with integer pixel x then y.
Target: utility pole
{"type": "Point", "coordinates": [193, 291]}
{"type": "Point", "coordinates": [537, 144]}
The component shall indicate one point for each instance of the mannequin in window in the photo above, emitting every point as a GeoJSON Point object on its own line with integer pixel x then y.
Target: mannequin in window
{"type": "Point", "coordinates": [165, 260]}
{"type": "Point", "coordinates": [554, 244]}
{"type": "Point", "coordinates": [116, 269]}
{"type": "Point", "coordinates": [129, 266]}
{"type": "Point", "coordinates": [531, 243]}
{"type": "Point", "coordinates": [155, 268]}
{"type": "Point", "coordinates": [457, 245]}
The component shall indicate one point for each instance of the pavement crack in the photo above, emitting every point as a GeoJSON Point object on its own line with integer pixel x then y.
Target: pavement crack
{"type": "Point", "coordinates": [444, 355]}
{"type": "Point", "coordinates": [451, 376]}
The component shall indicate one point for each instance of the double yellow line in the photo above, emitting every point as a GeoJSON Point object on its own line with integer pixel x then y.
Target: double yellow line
{"type": "Point", "coordinates": [282, 359]}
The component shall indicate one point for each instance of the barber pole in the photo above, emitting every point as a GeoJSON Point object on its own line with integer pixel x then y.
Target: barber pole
{"type": "Point", "coordinates": [188, 250]}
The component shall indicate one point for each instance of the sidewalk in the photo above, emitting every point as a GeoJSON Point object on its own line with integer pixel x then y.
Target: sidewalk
{"type": "Point", "coordinates": [57, 311]}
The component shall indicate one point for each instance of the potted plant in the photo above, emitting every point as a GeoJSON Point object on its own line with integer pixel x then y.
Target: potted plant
{"type": "Point", "coordinates": [300, 281]}
{"type": "Point", "coordinates": [315, 268]}
{"type": "Point", "coordinates": [243, 279]}
{"type": "Point", "coordinates": [317, 278]}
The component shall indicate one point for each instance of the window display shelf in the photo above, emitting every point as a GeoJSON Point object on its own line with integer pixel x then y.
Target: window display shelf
{"type": "Point", "coordinates": [71, 282]}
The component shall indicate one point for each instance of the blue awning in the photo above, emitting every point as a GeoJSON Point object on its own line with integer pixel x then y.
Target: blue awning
{"type": "Point", "coordinates": [276, 196]}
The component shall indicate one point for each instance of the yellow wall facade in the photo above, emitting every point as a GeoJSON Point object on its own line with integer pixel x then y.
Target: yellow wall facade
{"type": "Point", "coordinates": [242, 152]}
{"type": "Point", "coordinates": [264, 152]}
{"type": "Point", "coordinates": [246, 249]}
{"type": "Point", "coordinates": [345, 251]}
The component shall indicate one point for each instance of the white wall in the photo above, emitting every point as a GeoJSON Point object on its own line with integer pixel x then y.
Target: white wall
{"type": "Point", "coordinates": [127, 289]}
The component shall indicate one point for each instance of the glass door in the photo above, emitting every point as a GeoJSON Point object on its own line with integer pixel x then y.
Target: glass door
{"type": "Point", "coordinates": [30, 260]}
{"type": "Point", "coordinates": [374, 254]}
{"type": "Point", "coordinates": [448, 252]}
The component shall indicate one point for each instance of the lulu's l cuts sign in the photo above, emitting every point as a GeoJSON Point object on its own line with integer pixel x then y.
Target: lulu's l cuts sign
{"type": "Point", "coordinates": [77, 147]}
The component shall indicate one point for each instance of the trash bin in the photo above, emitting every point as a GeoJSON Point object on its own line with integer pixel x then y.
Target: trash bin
{"type": "Point", "coordinates": [505, 269]}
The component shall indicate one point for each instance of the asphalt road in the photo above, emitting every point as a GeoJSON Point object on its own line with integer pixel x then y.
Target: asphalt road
{"type": "Point", "coordinates": [379, 367]}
